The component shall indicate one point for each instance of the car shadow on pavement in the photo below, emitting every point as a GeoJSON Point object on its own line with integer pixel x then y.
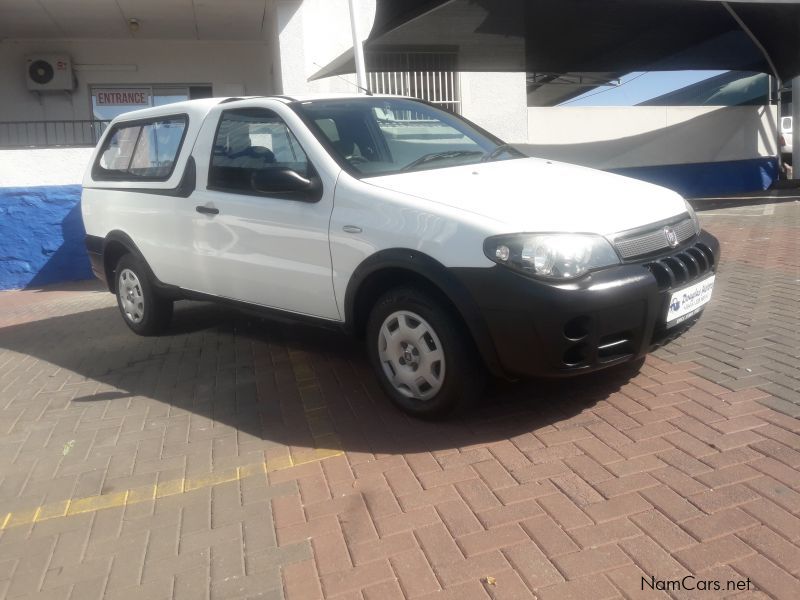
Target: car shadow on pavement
{"type": "Point", "coordinates": [277, 382]}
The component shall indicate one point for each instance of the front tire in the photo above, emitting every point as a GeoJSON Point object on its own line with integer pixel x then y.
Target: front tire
{"type": "Point", "coordinates": [424, 360]}
{"type": "Point", "coordinates": [142, 309]}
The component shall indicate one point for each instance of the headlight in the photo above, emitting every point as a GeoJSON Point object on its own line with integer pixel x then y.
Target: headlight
{"type": "Point", "coordinates": [551, 255]}
{"type": "Point", "coordinates": [693, 215]}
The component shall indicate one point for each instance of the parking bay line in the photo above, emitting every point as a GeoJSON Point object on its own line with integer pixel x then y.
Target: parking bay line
{"type": "Point", "coordinates": [77, 506]}
{"type": "Point", "coordinates": [326, 445]}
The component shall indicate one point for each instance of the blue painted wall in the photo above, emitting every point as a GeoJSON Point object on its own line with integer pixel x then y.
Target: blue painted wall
{"type": "Point", "coordinates": [41, 236]}
{"type": "Point", "coordinates": [710, 179]}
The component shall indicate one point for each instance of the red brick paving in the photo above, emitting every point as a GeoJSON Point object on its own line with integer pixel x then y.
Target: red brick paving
{"type": "Point", "coordinates": [575, 489]}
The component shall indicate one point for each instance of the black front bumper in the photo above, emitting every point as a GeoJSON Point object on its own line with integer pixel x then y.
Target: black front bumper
{"type": "Point", "coordinates": [609, 317]}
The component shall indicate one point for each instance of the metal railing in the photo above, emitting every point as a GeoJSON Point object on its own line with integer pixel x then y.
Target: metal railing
{"type": "Point", "coordinates": [437, 87]}
{"type": "Point", "coordinates": [428, 76]}
{"type": "Point", "coordinates": [50, 134]}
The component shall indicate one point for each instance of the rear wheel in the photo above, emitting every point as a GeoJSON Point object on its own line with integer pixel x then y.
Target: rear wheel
{"type": "Point", "coordinates": [424, 360]}
{"type": "Point", "coordinates": [143, 310]}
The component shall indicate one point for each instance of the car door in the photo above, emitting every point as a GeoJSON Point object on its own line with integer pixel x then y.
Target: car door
{"type": "Point", "coordinates": [262, 209]}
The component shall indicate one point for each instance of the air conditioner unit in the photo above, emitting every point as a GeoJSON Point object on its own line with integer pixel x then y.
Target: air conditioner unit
{"type": "Point", "coordinates": [49, 72]}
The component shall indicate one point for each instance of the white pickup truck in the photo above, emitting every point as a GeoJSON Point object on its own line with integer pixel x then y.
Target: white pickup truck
{"type": "Point", "coordinates": [448, 250]}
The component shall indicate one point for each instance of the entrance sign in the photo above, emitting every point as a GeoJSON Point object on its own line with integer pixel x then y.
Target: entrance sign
{"type": "Point", "coordinates": [122, 97]}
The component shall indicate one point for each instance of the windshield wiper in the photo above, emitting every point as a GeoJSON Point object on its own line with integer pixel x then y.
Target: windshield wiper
{"type": "Point", "coordinates": [434, 156]}
{"type": "Point", "coordinates": [499, 150]}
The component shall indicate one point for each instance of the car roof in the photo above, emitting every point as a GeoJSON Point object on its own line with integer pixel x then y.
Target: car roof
{"type": "Point", "coordinates": [200, 108]}
{"type": "Point", "coordinates": [189, 107]}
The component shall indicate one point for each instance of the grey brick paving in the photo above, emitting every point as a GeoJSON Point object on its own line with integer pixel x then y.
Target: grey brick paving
{"type": "Point", "coordinates": [549, 489]}
{"type": "Point", "coordinates": [751, 337]}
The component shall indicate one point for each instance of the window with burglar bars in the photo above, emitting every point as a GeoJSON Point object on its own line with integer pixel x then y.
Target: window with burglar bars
{"type": "Point", "coordinates": [429, 76]}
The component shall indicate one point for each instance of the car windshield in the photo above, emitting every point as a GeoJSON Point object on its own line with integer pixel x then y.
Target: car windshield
{"type": "Point", "coordinates": [382, 136]}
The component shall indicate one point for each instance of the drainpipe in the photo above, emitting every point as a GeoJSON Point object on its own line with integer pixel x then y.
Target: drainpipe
{"type": "Point", "coordinates": [358, 49]}
{"type": "Point", "coordinates": [778, 117]}
{"type": "Point", "coordinates": [795, 127]}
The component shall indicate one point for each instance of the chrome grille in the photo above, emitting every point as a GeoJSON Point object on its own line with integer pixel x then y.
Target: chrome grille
{"type": "Point", "coordinates": [653, 241]}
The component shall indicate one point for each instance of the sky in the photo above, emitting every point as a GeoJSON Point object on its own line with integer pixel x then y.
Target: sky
{"type": "Point", "coordinates": [641, 86]}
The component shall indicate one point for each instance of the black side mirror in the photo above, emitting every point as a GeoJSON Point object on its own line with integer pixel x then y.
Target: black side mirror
{"type": "Point", "coordinates": [287, 184]}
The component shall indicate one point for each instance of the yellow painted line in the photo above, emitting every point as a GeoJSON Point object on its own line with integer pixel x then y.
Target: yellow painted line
{"type": "Point", "coordinates": [170, 488]}
{"type": "Point", "coordinates": [55, 509]}
{"type": "Point", "coordinates": [77, 506]}
{"type": "Point", "coordinates": [22, 517]}
{"type": "Point", "coordinates": [141, 494]}
{"type": "Point", "coordinates": [95, 503]}
{"type": "Point", "coordinates": [251, 470]}
{"type": "Point", "coordinates": [212, 479]}
{"type": "Point", "coordinates": [326, 445]}
{"type": "Point", "coordinates": [319, 423]}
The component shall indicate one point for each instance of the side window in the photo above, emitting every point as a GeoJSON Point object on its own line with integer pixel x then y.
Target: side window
{"type": "Point", "coordinates": [119, 149]}
{"type": "Point", "coordinates": [157, 149]}
{"type": "Point", "coordinates": [142, 150]}
{"type": "Point", "coordinates": [250, 144]}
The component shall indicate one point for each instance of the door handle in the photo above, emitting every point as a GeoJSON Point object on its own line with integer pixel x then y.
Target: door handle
{"type": "Point", "coordinates": [351, 229]}
{"type": "Point", "coordinates": [207, 210]}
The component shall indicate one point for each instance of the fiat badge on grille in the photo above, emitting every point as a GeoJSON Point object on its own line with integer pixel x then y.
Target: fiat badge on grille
{"type": "Point", "coordinates": [672, 237]}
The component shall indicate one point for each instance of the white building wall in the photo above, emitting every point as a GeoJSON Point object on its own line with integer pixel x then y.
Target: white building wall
{"type": "Point", "coordinates": [33, 167]}
{"type": "Point", "coordinates": [301, 36]}
{"type": "Point", "coordinates": [230, 67]}
{"type": "Point", "coordinates": [311, 34]}
{"type": "Point", "coordinates": [636, 136]}
{"type": "Point", "coordinates": [497, 102]}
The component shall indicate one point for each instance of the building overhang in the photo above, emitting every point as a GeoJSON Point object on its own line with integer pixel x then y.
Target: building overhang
{"type": "Point", "coordinates": [595, 36]}
{"type": "Point", "coordinates": [231, 20]}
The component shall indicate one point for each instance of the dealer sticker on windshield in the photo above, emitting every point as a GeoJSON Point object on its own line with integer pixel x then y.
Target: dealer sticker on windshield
{"type": "Point", "coordinates": [689, 301]}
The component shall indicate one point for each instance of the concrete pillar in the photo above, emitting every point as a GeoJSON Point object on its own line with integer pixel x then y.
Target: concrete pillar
{"type": "Point", "coordinates": [291, 75]}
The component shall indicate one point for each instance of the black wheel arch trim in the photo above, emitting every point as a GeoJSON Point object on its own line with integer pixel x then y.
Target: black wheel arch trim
{"type": "Point", "coordinates": [441, 278]}
{"type": "Point", "coordinates": [122, 238]}
{"type": "Point", "coordinates": [94, 244]}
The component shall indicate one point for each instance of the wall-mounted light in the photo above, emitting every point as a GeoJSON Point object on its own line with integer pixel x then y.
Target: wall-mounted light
{"type": "Point", "coordinates": [133, 25]}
